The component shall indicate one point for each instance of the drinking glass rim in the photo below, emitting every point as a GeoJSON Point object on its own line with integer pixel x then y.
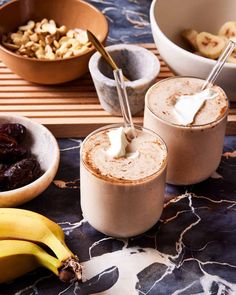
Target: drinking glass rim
{"type": "Point", "coordinates": [123, 181]}
{"type": "Point", "coordinates": [197, 126]}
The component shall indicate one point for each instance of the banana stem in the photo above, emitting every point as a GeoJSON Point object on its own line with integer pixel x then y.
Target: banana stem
{"type": "Point", "coordinates": [70, 267]}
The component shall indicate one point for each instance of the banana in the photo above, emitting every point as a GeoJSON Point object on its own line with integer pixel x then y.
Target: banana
{"type": "Point", "coordinates": [191, 36]}
{"type": "Point", "coordinates": [197, 53]}
{"type": "Point", "coordinates": [54, 227]}
{"type": "Point", "coordinates": [210, 45]}
{"type": "Point", "coordinates": [232, 58]}
{"type": "Point", "coordinates": [25, 227]}
{"type": "Point", "coordinates": [228, 30]}
{"type": "Point", "coordinates": [20, 257]}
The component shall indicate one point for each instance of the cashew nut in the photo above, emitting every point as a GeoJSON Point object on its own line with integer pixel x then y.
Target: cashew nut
{"type": "Point", "coordinates": [30, 25]}
{"type": "Point", "coordinates": [49, 53]}
{"type": "Point", "coordinates": [81, 36]}
{"type": "Point", "coordinates": [40, 53]}
{"type": "Point", "coordinates": [44, 40]}
{"type": "Point", "coordinates": [49, 27]}
{"type": "Point", "coordinates": [34, 37]}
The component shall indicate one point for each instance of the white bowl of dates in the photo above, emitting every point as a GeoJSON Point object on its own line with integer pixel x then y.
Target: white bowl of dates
{"type": "Point", "coordinates": [29, 159]}
{"type": "Point", "coordinates": [190, 37]}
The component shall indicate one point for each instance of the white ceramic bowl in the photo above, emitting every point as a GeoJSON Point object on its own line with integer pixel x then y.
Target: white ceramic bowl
{"type": "Point", "coordinates": [170, 17]}
{"type": "Point", "coordinates": [44, 147]}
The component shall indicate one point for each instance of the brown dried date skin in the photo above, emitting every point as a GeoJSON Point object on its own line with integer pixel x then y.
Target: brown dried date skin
{"type": "Point", "coordinates": [21, 173]}
{"type": "Point", "coordinates": [2, 182]}
{"type": "Point", "coordinates": [7, 141]}
{"type": "Point", "coordinates": [3, 167]}
{"type": "Point", "coordinates": [13, 154]}
{"type": "Point", "coordinates": [15, 130]}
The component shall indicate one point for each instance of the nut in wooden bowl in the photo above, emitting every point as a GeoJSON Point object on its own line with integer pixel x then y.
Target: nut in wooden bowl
{"type": "Point", "coordinates": [72, 14]}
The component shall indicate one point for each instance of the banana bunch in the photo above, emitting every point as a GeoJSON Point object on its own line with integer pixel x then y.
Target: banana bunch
{"type": "Point", "coordinates": [21, 234]}
{"type": "Point", "coordinates": [210, 45]}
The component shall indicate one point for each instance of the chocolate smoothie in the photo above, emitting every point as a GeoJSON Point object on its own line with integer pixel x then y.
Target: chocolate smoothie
{"type": "Point", "coordinates": [194, 149]}
{"type": "Point", "coordinates": [123, 196]}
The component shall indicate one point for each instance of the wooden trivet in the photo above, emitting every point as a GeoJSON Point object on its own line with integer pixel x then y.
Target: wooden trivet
{"type": "Point", "coordinates": [69, 110]}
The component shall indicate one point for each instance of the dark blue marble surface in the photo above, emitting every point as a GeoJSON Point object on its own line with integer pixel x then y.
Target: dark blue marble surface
{"type": "Point", "coordinates": [191, 250]}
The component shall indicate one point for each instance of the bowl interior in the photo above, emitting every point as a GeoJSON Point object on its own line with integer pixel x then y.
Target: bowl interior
{"type": "Point", "coordinates": [72, 13]}
{"type": "Point", "coordinates": [173, 16]}
{"type": "Point", "coordinates": [132, 62]}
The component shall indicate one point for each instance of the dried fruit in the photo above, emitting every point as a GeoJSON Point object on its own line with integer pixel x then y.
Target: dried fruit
{"type": "Point", "coordinates": [191, 36]}
{"type": "Point", "coordinates": [17, 167]}
{"type": "Point", "coordinates": [21, 173]}
{"type": "Point", "coordinates": [210, 45]}
{"type": "Point", "coordinates": [7, 141]}
{"type": "Point", "coordinates": [13, 154]}
{"type": "Point", "coordinates": [17, 131]}
{"type": "Point", "coordinates": [232, 58]}
{"type": "Point", "coordinates": [228, 30]}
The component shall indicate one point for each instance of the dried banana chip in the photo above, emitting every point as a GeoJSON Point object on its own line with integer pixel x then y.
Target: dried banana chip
{"type": "Point", "coordinates": [228, 30]}
{"type": "Point", "coordinates": [191, 36]}
{"type": "Point", "coordinates": [210, 45]}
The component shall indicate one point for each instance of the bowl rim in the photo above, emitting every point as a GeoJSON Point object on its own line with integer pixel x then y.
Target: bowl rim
{"type": "Point", "coordinates": [90, 49]}
{"type": "Point", "coordinates": [198, 58]}
{"type": "Point", "coordinates": [53, 167]}
{"type": "Point", "coordinates": [131, 47]}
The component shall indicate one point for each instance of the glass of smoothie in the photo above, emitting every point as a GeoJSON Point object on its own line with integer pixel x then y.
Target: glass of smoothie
{"type": "Point", "coordinates": [122, 195]}
{"type": "Point", "coordinates": [194, 150]}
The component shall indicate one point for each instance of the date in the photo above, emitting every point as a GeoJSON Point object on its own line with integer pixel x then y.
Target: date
{"type": "Point", "coordinates": [15, 130]}
{"type": "Point", "coordinates": [17, 166]}
{"type": "Point", "coordinates": [7, 141]}
{"type": "Point", "coordinates": [21, 173]}
{"type": "Point", "coordinates": [2, 183]}
{"type": "Point", "coordinates": [13, 154]}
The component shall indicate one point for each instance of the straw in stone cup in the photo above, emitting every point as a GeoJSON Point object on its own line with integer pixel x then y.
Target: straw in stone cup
{"type": "Point", "coordinates": [124, 102]}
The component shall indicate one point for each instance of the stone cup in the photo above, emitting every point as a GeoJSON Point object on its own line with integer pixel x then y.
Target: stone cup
{"type": "Point", "coordinates": [138, 64]}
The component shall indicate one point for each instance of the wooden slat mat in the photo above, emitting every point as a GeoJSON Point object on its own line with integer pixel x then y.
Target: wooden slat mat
{"type": "Point", "coordinates": [69, 110]}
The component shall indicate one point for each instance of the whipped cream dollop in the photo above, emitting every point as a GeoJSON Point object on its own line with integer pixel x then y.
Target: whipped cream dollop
{"type": "Point", "coordinates": [187, 106]}
{"type": "Point", "coordinates": [118, 143]}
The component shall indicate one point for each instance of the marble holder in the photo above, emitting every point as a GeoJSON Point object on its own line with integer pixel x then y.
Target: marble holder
{"type": "Point", "coordinates": [138, 64]}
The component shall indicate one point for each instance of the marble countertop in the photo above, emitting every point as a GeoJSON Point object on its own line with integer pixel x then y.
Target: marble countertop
{"type": "Point", "coordinates": [191, 250]}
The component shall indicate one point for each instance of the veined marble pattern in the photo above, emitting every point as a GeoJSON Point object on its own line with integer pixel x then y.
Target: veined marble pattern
{"type": "Point", "coordinates": [123, 14]}
{"type": "Point", "coordinates": [191, 250]}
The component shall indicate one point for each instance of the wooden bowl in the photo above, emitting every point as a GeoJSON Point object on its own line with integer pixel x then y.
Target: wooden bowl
{"type": "Point", "coordinates": [44, 147]}
{"type": "Point", "coordinates": [73, 14]}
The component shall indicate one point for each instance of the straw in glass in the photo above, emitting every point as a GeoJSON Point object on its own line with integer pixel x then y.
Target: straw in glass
{"type": "Point", "coordinates": [124, 102]}
{"type": "Point", "coordinates": [219, 65]}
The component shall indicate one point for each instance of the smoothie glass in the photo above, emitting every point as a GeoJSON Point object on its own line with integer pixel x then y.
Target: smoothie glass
{"type": "Point", "coordinates": [194, 152]}
{"type": "Point", "coordinates": [121, 207]}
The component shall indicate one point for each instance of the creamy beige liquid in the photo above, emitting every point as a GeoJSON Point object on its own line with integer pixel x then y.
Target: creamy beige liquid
{"type": "Point", "coordinates": [194, 150]}
{"type": "Point", "coordinates": [145, 156]}
{"type": "Point", "coordinates": [163, 107]}
{"type": "Point", "coordinates": [123, 196]}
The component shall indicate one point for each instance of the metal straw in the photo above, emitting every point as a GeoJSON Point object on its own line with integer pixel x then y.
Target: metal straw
{"type": "Point", "coordinates": [124, 102]}
{"type": "Point", "coordinates": [219, 65]}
